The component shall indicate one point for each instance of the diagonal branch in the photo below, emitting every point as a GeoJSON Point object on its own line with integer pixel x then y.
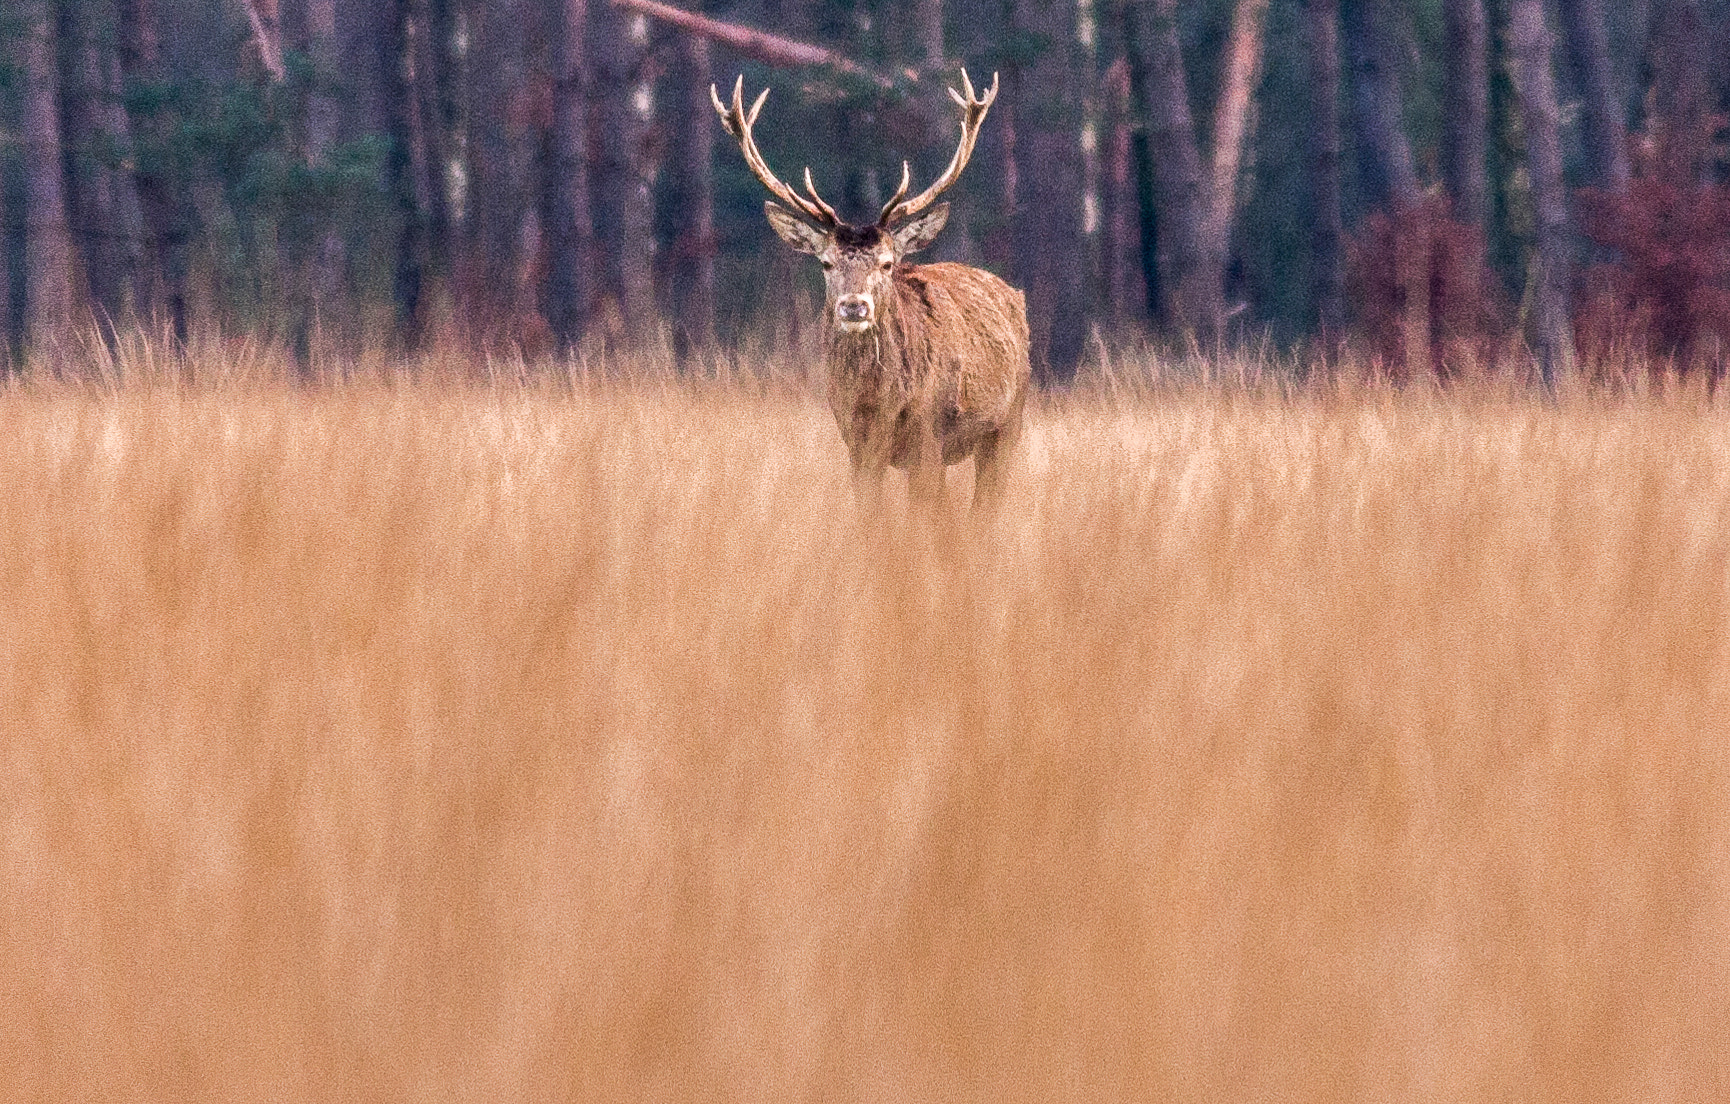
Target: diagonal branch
{"type": "Point", "coordinates": [770, 49]}
{"type": "Point", "coordinates": [267, 34]}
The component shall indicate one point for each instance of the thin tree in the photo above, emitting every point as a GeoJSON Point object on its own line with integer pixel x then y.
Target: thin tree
{"type": "Point", "coordinates": [691, 194]}
{"type": "Point", "coordinates": [436, 102]}
{"type": "Point", "coordinates": [1119, 216]}
{"type": "Point", "coordinates": [1529, 43]}
{"type": "Point", "coordinates": [102, 197]}
{"type": "Point", "coordinates": [1046, 223]}
{"type": "Point", "coordinates": [570, 225]}
{"type": "Point", "coordinates": [320, 269]}
{"type": "Point", "coordinates": [1231, 121]}
{"type": "Point", "coordinates": [1327, 234]}
{"type": "Point", "coordinates": [1160, 86]}
{"type": "Point", "coordinates": [1196, 200]}
{"type": "Point", "coordinates": [1370, 31]}
{"type": "Point", "coordinates": [391, 53]}
{"type": "Point", "coordinates": [7, 337]}
{"type": "Point", "coordinates": [928, 18]}
{"type": "Point", "coordinates": [622, 100]}
{"type": "Point", "coordinates": [162, 204]}
{"type": "Point", "coordinates": [1603, 129]}
{"type": "Point", "coordinates": [47, 239]}
{"type": "Point", "coordinates": [1466, 110]}
{"type": "Point", "coordinates": [1681, 93]}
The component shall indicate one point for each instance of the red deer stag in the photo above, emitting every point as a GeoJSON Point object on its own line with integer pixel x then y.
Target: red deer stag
{"type": "Point", "coordinates": [927, 364]}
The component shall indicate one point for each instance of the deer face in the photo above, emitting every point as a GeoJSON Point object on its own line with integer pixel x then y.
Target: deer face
{"type": "Point", "coordinates": [858, 261]}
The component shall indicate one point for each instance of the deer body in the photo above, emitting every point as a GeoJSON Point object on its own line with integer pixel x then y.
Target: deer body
{"type": "Point", "coordinates": [943, 373]}
{"type": "Point", "coordinates": [927, 364]}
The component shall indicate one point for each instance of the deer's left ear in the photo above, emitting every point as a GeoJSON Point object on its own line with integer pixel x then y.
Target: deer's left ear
{"type": "Point", "coordinates": [913, 236]}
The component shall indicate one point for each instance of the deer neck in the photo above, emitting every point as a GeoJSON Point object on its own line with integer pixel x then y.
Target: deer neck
{"type": "Point", "coordinates": [871, 355]}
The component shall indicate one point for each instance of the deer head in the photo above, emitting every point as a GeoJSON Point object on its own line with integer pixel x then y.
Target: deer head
{"type": "Point", "coordinates": [858, 261]}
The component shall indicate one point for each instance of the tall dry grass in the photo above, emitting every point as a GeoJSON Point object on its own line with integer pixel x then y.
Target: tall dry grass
{"type": "Point", "coordinates": [417, 742]}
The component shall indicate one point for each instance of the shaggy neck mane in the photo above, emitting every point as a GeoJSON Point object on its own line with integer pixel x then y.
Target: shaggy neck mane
{"type": "Point", "coordinates": [899, 333]}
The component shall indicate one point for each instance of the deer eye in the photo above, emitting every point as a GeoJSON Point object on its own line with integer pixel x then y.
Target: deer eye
{"type": "Point", "coordinates": [888, 264]}
{"type": "Point", "coordinates": [827, 264]}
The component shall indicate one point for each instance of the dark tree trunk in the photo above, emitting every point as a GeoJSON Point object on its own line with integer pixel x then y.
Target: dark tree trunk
{"type": "Point", "coordinates": [391, 53]}
{"type": "Point", "coordinates": [161, 203]}
{"type": "Point", "coordinates": [1603, 131]}
{"type": "Point", "coordinates": [1327, 231]}
{"type": "Point", "coordinates": [435, 100]}
{"type": "Point", "coordinates": [1529, 43]}
{"type": "Point", "coordinates": [691, 271]}
{"type": "Point", "coordinates": [1370, 29]}
{"type": "Point", "coordinates": [361, 27]}
{"type": "Point", "coordinates": [623, 169]}
{"type": "Point", "coordinates": [1682, 92]}
{"type": "Point", "coordinates": [571, 268]}
{"type": "Point", "coordinates": [101, 194]}
{"type": "Point", "coordinates": [8, 336]}
{"type": "Point", "coordinates": [1121, 274]}
{"type": "Point", "coordinates": [1161, 92]}
{"type": "Point", "coordinates": [1466, 110]}
{"type": "Point", "coordinates": [320, 271]}
{"type": "Point", "coordinates": [1049, 255]}
{"type": "Point", "coordinates": [498, 167]}
{"type": "Point", "coordinates": [48, 240]}
{"type": "Point", "coordinates": [1147, 222]}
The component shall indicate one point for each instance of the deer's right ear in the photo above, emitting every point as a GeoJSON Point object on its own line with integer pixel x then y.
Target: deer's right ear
{"type": "Point", "coordinates": [806, 239]}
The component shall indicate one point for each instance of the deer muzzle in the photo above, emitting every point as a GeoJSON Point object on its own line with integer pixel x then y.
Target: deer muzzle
{"type": "Point", "coordinates": [855, 313]}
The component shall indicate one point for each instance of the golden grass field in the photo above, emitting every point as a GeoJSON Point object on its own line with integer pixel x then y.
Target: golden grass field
{"type": "Point", "coordinates": [413, 742]}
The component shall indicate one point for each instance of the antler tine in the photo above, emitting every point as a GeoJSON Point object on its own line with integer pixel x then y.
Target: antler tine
{"type": "Point", "coordinates": [973, 109]}
{"type": "Point", "coordinates": [828, 211]}
{"type": "Point", "coordinates": [906, 179]}
{"type": "Point", "coordinates": [738, 123]}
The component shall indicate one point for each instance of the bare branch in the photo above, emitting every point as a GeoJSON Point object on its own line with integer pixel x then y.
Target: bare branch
{"type": "Point", "coordinates": [266, 33]}
{"type": "Point", "coordinates": [771, 49]}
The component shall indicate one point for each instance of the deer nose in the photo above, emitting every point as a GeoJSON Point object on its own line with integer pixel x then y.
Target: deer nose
{"type": "Point", "coordinates": [853, 308]}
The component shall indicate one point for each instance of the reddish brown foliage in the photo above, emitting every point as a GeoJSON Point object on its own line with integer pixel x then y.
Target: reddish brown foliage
{"type": "Point", "coordinates": [1663, 299]}
{"type": "Point", "coordinates": [1421, 293]}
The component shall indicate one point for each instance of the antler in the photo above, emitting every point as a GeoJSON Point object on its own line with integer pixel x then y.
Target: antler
{"type": "Point", "coordinates": [973, 111]}
{"type": "Point", "coordinates": [738, 123]}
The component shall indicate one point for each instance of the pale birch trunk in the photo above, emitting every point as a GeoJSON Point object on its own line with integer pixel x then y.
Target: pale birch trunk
{"type": "Point", "coordinates": [1231, 133]}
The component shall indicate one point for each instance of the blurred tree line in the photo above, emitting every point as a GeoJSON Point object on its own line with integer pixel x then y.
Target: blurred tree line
{"type": "Point", "coordinates": [550, 172]}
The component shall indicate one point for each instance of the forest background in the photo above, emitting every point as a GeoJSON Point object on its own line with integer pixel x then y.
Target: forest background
{"type": "Point", "coordinates": [1435, 183]}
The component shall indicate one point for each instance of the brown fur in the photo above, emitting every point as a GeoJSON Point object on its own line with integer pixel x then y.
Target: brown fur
{"type": "Point", "coordinates": [943, 375]}
{"type": "Point", "coordinates": [928, 364]}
